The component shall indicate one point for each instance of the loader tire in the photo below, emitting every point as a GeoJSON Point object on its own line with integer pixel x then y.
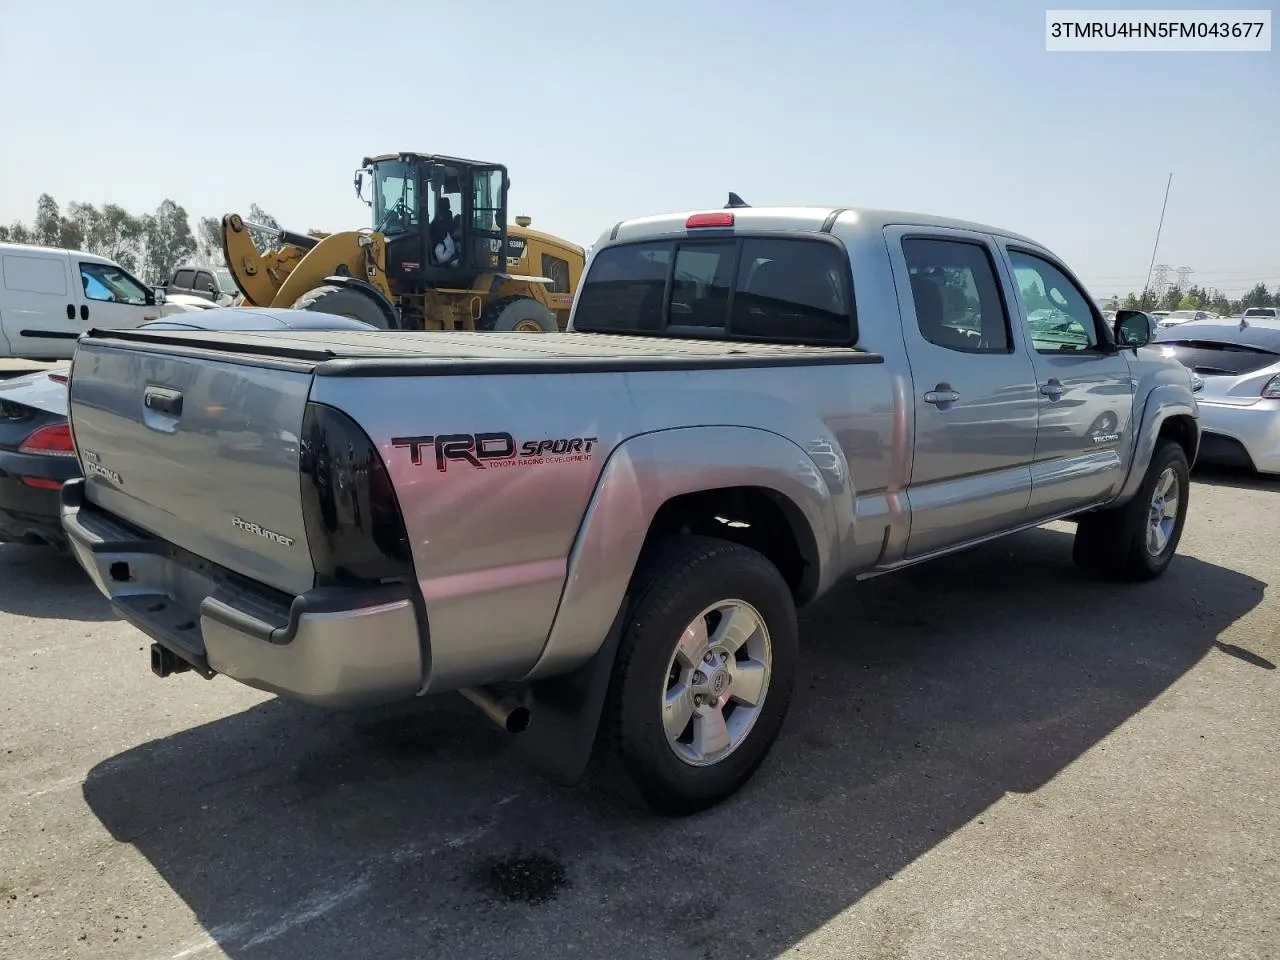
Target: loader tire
{"type": "Point", "coordinates": [344, 302]}
{"type": "Point", "coordinates": [520, 314]}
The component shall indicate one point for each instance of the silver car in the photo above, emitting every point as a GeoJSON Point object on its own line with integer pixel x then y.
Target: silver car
{"type": "Point", "coordinates": [1238, 363]}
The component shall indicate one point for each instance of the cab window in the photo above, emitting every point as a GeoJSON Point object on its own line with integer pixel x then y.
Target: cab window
{"type": "Point", "coordinates": [956, 297]}
{"type": "Point", "coordinates": [1058, 314]}
{"type": "Point", "coordinates": [109, 284]}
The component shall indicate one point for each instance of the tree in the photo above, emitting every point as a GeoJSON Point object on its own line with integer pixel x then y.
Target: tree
{"type": "Point", "coordinates": [1171, 298]}
{"type": "Point", "coordinates": [1189, 302]}
{"type": "Point", "coordinates": [1257, 297]}
{"type": "Point", "coordinates": [209, 242]}
{"type": "Point", "coordinates": [167, 241]}
{"type": "Point", "coordinates": [261, 240]}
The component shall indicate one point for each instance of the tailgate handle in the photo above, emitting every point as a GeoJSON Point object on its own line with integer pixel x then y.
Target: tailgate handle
{"type": "Point", "coordinates": [163, 401]}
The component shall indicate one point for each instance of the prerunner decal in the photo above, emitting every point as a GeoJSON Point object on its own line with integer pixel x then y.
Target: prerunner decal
{"type": "Point", "coordinates": [484, 450]}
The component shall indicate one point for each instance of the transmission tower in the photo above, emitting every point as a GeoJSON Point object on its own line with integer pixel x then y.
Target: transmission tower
{"type": "Point", "coordinates": [1160, 279]}
{"type": "Point", "coordinates": [1184, 278]}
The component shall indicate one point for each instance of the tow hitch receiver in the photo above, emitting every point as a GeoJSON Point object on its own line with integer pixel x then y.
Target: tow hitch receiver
{"type": "Point", "coordinates": [165, 662]}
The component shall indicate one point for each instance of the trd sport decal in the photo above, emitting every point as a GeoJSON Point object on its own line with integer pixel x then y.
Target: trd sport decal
{"type": "Point", "coordinates": [483, 450]}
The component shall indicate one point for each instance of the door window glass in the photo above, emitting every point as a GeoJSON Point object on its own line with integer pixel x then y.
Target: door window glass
{"type": "Point", "coordinates": [957, 298]}
{"type": "Point", "coordinates": [1059, 315]}
{"type": "Point", "coordinates": [110, 284]}
{"type": "Point", "coordinates": [486, 201]}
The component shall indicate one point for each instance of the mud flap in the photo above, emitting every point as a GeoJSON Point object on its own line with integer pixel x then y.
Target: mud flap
{"type": "Point", "coordinates": [564, 713]}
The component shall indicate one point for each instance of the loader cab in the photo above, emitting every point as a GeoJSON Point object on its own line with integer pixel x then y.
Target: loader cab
{"type": "Point", "coordinates": [444, 218]}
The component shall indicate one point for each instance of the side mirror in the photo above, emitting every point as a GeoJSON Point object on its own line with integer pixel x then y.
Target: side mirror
{"type": "Point", "coordinates": [1133, 329]}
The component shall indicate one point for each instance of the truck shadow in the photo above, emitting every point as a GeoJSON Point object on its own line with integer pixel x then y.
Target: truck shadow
{"type": "Point", "coordinates": [924, 697]}
{"type": "Point", "coordinates": [41, 582]}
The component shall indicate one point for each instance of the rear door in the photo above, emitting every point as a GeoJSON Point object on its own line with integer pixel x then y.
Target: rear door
{"type": "Point", "coordinates": [38, 305]}
{"type": "Point", "coordinates": [111, 298]}
{"type": "Point", "coordinates": [1084, 387]}
{"type": "Point", "coordinates": [975, 389]}
{"type": "Point", "coordinates": [200, 452]}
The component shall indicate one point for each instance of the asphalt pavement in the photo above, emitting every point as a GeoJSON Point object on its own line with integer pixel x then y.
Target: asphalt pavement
{"type": "Point", "coordinates": [988, 756]}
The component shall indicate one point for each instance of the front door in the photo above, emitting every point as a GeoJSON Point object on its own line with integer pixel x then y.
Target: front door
{"type": "Point", "coordinates": [112, 299]}
{"type": "Point", "coordinates": [1084, 388]}
{"type": "Point", "coordinates": [974, 385]}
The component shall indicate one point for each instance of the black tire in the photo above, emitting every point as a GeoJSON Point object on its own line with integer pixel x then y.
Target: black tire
{"type": "Point", "coordinates": [344, 302]}
{"type": "Point", "coordinates": [517, 313]}
{"type": "Point", "coordinates": [675, 581]}
{"type": "Point", "coordinates": [1113, 543]}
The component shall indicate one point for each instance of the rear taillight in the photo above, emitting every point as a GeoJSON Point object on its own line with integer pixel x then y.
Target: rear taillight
{"type": "Point", "coordinates": [352, 516]}
{"type": "Point", "coordinates": [41, 483]}
{"type": "Point", "coordinates": [53, 440]}
{"type": "Point", "coordinates": [1271, 389]}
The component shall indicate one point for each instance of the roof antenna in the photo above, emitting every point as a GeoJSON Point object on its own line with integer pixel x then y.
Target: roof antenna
{"type": "Point", "coordinates": [735, 201]}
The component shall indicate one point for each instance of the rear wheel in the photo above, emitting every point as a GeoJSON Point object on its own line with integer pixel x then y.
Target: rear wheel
{"type": "Point", "coordinates": [519, 314]}
{"type": "Point", "coordinates": [1138, 540]}
{"type": "Point", "coordinates": [704, 672]}
{"type": "Point", "coordinates": [344, 302]}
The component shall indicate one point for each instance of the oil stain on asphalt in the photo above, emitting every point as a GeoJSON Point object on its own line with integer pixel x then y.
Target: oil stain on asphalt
{"type": "Point", "coordinates": [533, 879]}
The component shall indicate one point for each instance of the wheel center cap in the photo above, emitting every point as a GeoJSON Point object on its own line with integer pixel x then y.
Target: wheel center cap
{"type": "Point", "coordinates": [718, 682]}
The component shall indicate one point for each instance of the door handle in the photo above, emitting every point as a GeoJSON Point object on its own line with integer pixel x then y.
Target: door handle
{"type": "Point", "coordinates": [1053, 389]}
{"type": "Point", "coordinates": [942, 395]}
{"type": "Point", "coordinates": [163, 401]}
{"type": "Point", "coordinates": [71, 311]}
{"type": "Point", "coordinates": [84, 312]}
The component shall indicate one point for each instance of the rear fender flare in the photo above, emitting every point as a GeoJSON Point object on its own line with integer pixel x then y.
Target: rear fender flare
{"type": "Point", "coordinates": [1164, 401]}
{"type": "Point", "coordinates": [646, 471]}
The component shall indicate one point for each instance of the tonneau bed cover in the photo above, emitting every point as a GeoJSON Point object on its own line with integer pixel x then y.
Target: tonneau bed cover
{"type": "Point", "coordinates": [428, 352]}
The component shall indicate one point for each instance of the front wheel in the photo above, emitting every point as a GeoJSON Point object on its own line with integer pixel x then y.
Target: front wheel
{"type": "Point", "coordinates": [518, 315]}
{"type": "Point", "coordinates": [1138, 540]}
{"type": "Point", "coordinates": [704, 672]}
{"type": "Point", "coordinates": [344, 302]}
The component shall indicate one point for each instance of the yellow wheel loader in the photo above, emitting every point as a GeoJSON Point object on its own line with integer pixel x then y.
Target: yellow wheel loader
{"type": "Point", "coordinates": [439, 256]}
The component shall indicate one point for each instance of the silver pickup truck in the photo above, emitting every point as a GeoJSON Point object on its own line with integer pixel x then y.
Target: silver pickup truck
{"type": "Point", "coordinates": [604, 535]}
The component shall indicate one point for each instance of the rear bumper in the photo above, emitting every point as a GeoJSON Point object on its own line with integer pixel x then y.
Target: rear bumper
{"type": "Point", "coordinates": [330, 646]}
{"type": "Point", "coordinates": [1256, 428]}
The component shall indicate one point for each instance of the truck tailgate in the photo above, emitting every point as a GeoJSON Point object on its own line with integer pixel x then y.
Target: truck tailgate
{"type": "Point", "coordinates": [199, 451]}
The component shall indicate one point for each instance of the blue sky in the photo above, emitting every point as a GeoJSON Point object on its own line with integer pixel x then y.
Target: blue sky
{"type": "Point", "coordinates": [607, 110]}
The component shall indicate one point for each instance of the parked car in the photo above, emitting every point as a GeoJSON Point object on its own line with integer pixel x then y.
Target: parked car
{"type": "Point", "coordinates": [1262, 313]}
{"type": "Point", "coordinates": [214, 285]}
{"type": "Point", "coordinates": [1238, 363]}
{"type": "Point", "coordinates": [49, 296]}
{"type": "Point", "coordinates": [1182, 316]}
{"type": "Point", "coordinates": [749, 406]}
{"type": "Point", "coordinates": [36, 451]}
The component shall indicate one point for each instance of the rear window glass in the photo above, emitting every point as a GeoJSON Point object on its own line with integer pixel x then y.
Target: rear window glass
{"type": "Point", "coordinates": [624, 291]}
{"type": "Point", "coordinates": [754, 288]}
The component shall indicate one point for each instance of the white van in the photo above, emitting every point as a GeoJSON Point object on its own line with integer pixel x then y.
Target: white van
{"type": "Point", "coordinates": [48, 297]}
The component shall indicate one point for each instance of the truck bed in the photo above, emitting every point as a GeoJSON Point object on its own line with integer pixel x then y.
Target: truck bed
{"type": "Point", "coordinates": [424, 353]}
